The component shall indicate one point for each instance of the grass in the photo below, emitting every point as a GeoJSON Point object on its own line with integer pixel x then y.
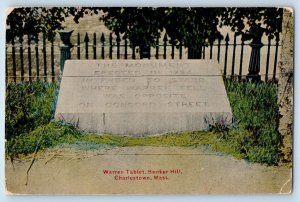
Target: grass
{"type": "Point", "coordinates": [253, 136]}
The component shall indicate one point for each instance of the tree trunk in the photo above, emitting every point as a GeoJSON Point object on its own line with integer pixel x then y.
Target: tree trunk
{"type": "Point", "coordinates": [285, 86]}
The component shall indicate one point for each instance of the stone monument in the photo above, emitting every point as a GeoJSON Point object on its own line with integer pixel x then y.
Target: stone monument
{"type": "Point", "coordinates": [142, 97]}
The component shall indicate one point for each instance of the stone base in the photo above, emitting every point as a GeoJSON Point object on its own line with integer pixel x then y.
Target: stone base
{"type": "Point", "coordinates": [142, 124]}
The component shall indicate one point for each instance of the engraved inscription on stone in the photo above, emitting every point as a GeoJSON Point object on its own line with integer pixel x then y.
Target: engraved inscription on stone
{"type": "Point", "coordinates": [142, 97]}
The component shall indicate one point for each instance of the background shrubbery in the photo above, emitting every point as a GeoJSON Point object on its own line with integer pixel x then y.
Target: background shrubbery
{"type": "Point", "coordinates": [253, 136]}
{"type": "Point", "coordinates": [28, 106]}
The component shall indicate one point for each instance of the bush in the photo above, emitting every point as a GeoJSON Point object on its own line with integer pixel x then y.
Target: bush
{"type": "Point", "coordinates": [27, 106]}
{"type": "Point", "coordinates": [255, 109]}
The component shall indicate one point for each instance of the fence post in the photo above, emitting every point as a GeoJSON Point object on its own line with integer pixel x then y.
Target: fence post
{"type": "Point", "coordinates": [254, 64]}
{"type": "Point", "coordinates": [65, 47]}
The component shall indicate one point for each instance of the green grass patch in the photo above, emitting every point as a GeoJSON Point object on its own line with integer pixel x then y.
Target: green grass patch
{"type": "Point", "coordinates": [255, 109]}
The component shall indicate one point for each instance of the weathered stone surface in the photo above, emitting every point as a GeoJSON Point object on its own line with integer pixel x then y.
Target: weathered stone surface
{"type": "Point", "coordinates": [142, 97]}
{"type": "Point", "coordinates": [285, 85]}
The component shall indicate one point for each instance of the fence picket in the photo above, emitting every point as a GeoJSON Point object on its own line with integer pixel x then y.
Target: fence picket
{"type": "Point", "coordinates": [276, 54]}
{"type": "Point", "coordinates": [219, 49]}
{"type": "Point", "coordinates": [173, 48]}
{"type": "Point", "coordinates": [125, 46]}
{"type": "Point", "coordinates": [241, 57]}
{"type": "Point", "coordinates": [233, 57]}
{"type": "Point", "coordinates": [14, 60]}
{"type": "Point", "coordinates": [180, 49]}
{"type": "Point", "coordinates": [52, 58]}
{"type": "Point", "coordinates": [95, 46]}
{"type": "Point", "coordinates": [165, 46]}
{"type": "Point", "coordinates": [157, 48]}
{"type": "Point", "coordinates": [86, 40]}
{"type": "Point", "coordinates": [226, 50]}
{"type": "Point", "coordinates": [21, 57]}
{"type": "Point", "coordinates": [211, 43]}
{"type": "Point", "coordinates": [133, 52]}
{"type": "Point", "coordinates": [37, 60]}
{"type": "Point", "coordinates": [29, 57]}
{"type": "Point", "coordinates": [102, 45]}
{"type": "Point", "coordinates": [268, 58]}
{"type": "Point", "coordinates": [118, 39]}
{"type": "Point", "coordinates": [6, 64]}
{"type": "Point", "coordinates": [110, 46]}
{"type": "Point", "coordinates": [78, 46]}
{"type": "Point", "coordinates": [45, 57]}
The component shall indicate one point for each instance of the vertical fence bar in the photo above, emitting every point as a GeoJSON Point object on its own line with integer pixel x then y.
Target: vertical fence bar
{"type": "Point", "coordinates": [233, 56]}
{"type": "Point", "coordinates": [29, 58]}
{"type": "Point", "coordinates": [37, 60]}
{"type": "Point", "coordinates": [133, 51]}
{"type": "Point", "coordinates": [95, 46]}
{"type": "Point", "coordinates": [157, 48]}
{"type": "Point", "coordinates": [165, 46]}
{"type": "Point", "coordinates": [6, 63]}
{"type": "Point", "coordinates": [203, 51]}
{"type": "Point", "coordinates": [52, 59]}
{"type": "Point", "coordinates": [200, 50]}
{"type": "Point", "coordinates": [173, 48]}
{"type": "Point", "coordinates": [268, 58]}
{"type": "Point", "coordinates": [102, 45]}
{"type": "Point", "coordinates": [241, 58]}
{"type": "Point", "coordinates": [118, 39]}
{"type": "Point", "coordinates": [45, 57]}
{"type": "Point", "coordinates": [6, 72]}
{"type": "Point", "coordinates": [86, 40]}
{"type": "Point", "coordinates": [14, 59]}
{"type": "Point", "coordinates": [180, 49]}
{"type": "Point", "coordinates": [276, 54]}
{"type": "Point", "coordinates": [21, 57]}
{"type": "Point", "coordinates": [226, 50]}
{"type": "Point", "coordinates": [125, 46]}
{"type": "Point", "coordinates": [211, 44]}
{"type": "Point", "coordinates": [110, 46]}
{"type": "Point", "coordinates": [219, 49]}
{"type": "Point", "coordinates": [78, 46]}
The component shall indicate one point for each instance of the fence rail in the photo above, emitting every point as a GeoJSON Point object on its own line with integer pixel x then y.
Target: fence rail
{"type": "Point", "coordinates": [26, 57]}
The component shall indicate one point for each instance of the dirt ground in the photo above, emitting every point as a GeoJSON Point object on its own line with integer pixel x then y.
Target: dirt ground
{"type": "Point", "coordinates": [143, 170]}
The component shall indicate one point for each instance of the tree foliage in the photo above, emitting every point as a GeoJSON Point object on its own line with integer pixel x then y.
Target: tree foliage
{"type": "Point", "coordinates": [253, 22]}
{"type": "Point", "coordinates": [143, 25]}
